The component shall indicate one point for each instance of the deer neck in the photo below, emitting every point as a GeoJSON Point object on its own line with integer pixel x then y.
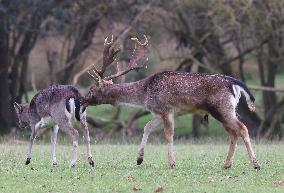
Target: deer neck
{"type": "Point", "coordinates": [125, 94]}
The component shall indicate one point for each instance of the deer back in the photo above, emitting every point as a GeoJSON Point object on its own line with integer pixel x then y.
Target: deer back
{"type": "Point", "coordinates": [55, 99]}
{"type": "Point", "coordinates": [188, 92]}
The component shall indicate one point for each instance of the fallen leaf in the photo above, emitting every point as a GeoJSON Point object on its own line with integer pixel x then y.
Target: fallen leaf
{"type": "Point", "coordinates": [211, 178]}
{"type": "Point", "coordinates": [159, 189]}
{"type": "Point", "coordinates": [136, 188]}
{"type": "Point", "coordinates": [129, 178]}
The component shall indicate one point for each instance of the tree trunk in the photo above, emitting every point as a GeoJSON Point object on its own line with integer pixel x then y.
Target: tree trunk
{"type": "Point", "coordinates": [5, 108]}
{"type": "Point", "coordinates": [82, 42]}
{"type": "Point", "coordinates": [269, 97]}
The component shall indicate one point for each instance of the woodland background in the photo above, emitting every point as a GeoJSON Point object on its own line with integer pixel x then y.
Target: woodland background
{"type": "Point", "coordinates": [55, 42]}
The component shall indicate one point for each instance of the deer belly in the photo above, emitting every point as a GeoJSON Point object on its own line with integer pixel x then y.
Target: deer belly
{"type": "Point", "coordinates": [46, 122]}
{"type": "Point", "coordinates": [185, 108]}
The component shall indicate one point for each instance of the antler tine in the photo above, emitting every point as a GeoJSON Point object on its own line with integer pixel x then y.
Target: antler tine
{"type": "Point", "coordinates": [108, 55]}
{"type": "Point", "coordinates": [108, 43]}
{"type": "Point", "coordinates": [138, 53]}
{"type": "Point", "coordinates": [139, 43]}
{"type": "Point", "coordinates": [96, 76]}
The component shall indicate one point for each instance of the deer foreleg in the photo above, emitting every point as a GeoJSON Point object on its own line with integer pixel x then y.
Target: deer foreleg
{"type": "Point", "coordinates": [87, 138]}
{"type": "Point", "coordinates": [147, 130]}
{"type": "Point", "coordinates": [169, 134]}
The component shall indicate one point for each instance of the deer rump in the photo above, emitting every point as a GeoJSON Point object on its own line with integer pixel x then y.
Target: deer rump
{"type": "Point", "coordinates": [73, 107]}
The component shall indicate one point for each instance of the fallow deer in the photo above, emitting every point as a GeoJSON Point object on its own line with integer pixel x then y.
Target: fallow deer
{"type": "Point", "coordinates": [167, 93]}
{"type": "Point", "coordinates": [58, 106]}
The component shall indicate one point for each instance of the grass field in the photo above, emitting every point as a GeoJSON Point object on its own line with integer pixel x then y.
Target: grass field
{"type": "Point", "coordinates": [198, 169]}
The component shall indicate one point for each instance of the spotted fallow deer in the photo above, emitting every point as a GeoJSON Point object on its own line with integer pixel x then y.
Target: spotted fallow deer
{"type": "Point", "coordinates": [58, 106]}
{"type": "Point", "coordinates": [167, 93]}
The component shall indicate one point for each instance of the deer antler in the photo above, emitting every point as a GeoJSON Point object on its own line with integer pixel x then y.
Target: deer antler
{"type": "Point", "coordinates": [94, 74]}
{"type": "Point", "coordinates": [138, 53]}
{"type": "Point", "coordinates": [108, 58]}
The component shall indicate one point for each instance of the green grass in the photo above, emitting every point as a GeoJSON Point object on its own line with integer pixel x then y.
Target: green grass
{"type": "Point", "coordinates": [198, 169]}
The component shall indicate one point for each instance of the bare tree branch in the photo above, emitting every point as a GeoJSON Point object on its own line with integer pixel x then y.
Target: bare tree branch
{"type": "Point", "coordinates": [265, 88]}
{"type": "Point", "coordinates": [120, 36]}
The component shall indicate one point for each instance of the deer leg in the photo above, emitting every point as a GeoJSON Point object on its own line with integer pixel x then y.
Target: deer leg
{"type": "Point", "coordinates": [74, 135]}
{"type": "Point", "coordinates": [147, 130]}
{"type": "Point", "coordinates": [34, 128]}
{"type": "Point", "coordinates": [53, 145]}
{"type": "Point", "coordinates": [242, 129]}
{"type": "Point", "coordinates": [84, 125]}
{"type": "Point", "coordinates": [169, 134]}
{"type": "Point", "coordinates": [234, 137]}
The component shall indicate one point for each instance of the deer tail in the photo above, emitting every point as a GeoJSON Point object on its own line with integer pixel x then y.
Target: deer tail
{"type": "Point", "coordinates": [239, 89]}
{"type": "Point", "coordinates": [73, 107]}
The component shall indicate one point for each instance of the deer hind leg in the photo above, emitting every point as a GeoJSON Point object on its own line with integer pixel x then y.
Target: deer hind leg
{"type": "Point", "coordinates": [234, 137]}
{"type": "Point", "coordinates": [243, 131]}
{"type": "Point", "coordinates": [169, 134]}
{"type": "Point", "coordinates": [34, 128]}
{"type": "Point", "coordinates": [84, 125]}
{"type": "Point", "coordinates": [147, 130]}
{"type": "Point", "coordinates": [67, 127]}
{"type": "Point", "coordinates": [53, 145]}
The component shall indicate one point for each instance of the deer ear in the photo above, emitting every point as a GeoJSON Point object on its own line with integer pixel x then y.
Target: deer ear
{"type": "Point", "coordinates": [18, 107]}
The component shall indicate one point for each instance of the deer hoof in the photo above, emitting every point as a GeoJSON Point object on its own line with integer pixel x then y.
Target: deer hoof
{"type": "Point", "coordinates": [227, 166]}
{"type": "Point", "coordinates": [28, 161]}
{"type": "Point", "coordinates": [139, 160]}
{"type": "Point", "coordinates": [256, 167]}
{"type": "Point", "coordinates": [171, 166]}
{"type": "Point", "coordinates": [92, 163]}
{"type": "Point", "coordinates": [255, 164]}
{"type": "Point", "coordinates": [54, 164]}
{"type": "Point", "coordinates": [73, 165]}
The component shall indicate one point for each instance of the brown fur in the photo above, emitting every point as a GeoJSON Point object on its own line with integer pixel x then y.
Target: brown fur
{"type": "Point", "coordinates": [55, 105]}
{"type": "Point", "coordinates": [167, 93]}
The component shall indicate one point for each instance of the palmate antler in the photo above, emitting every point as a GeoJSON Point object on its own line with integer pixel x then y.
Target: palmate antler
{"type": "Point", "coordinates": [109, 56]}
{"type": "Point", "coordinates": [138, 53]}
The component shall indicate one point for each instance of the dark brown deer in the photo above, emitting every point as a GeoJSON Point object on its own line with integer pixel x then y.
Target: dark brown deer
{"type": "Point", "coordinates": [165, 94]}
{"type": "Point", "coordinates": [58, 106]}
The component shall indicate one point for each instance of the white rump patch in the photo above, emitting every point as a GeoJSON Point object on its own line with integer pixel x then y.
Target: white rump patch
{"type": "Point", "coordinates": [72, 107]}
{"type": "Point", "coordinates": [238, 90]}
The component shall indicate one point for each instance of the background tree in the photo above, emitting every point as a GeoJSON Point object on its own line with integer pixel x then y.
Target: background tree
{"type": "Point", "coordinates": [243, 39]}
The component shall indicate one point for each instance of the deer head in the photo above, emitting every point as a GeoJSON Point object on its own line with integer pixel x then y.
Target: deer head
{"type": "Point", "coordinates": [99, 90]}
{"type": "Point", "coordinates": [22, 111]}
